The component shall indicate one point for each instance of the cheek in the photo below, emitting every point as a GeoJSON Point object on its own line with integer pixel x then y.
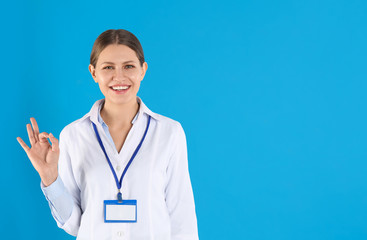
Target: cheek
{"type": "Point", "coordinates": [134, 75]}
{"type": "Point", "coordinates": [131, 72]}
{"type": "Point", "coordinates": [104, 77]}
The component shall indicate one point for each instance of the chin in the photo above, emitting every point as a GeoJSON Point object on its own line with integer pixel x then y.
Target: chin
{"type": "Point", "coordinates": [122, 99]}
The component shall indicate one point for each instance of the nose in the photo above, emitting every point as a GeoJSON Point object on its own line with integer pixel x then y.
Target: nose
{"type": "Point", "coordinates": [118, 74]}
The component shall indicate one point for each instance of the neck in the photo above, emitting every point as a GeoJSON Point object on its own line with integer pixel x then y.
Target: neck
{"type": "Point", "coordinates": [119, 115]}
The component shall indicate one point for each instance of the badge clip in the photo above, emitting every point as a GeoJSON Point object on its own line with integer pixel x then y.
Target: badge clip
{"type": "Point", "coordinates": [119, 196]}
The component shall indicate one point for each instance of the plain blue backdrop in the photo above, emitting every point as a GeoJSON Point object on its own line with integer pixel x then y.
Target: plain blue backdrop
{"type": "Point", "coordinates": [271, 94]}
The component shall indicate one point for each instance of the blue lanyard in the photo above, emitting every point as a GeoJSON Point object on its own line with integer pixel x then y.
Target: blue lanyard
{"type": "Point", "coordinates": [118, 183]}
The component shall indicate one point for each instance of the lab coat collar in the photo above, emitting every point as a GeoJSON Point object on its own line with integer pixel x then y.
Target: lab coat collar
{"type": "Point", "coordinates": [93, 113]}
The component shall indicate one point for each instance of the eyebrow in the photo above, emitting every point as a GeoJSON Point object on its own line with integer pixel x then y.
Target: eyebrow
{"type": "Point", "coordinates": [114, 63]}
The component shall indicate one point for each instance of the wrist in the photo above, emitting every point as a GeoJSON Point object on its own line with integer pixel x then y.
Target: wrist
{"type": "Point", "coordinates": [48, 179]}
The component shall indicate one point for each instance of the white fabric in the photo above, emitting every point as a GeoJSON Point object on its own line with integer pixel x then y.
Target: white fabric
{"type": "Point", "coordinates": [158, 179]}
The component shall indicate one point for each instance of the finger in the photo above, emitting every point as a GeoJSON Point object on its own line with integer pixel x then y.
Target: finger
{"type": "Point", "coordinates": [43, 137]}
{"type": "Point", "coordinates": [55, 143]}
{"type": "Point", "coordinates": [23, 144]}
{"type": "Point", "coordinates": [31, 137]}
{"type": "Point", "coordinates": [35, 128]}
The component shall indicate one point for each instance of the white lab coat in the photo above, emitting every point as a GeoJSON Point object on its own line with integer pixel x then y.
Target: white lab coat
{"type": "Point", "coordinates": [158, 179]}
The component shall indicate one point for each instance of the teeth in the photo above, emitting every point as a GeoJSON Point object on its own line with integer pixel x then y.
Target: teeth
{"type": "Point", "coordinates": [120, 88]}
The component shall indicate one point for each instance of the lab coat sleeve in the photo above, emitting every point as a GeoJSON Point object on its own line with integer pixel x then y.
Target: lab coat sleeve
{"type": "Point", "coordinates": [179, 194]}
{"type": "Point", "coordinates": [64, 194]}
{"type": "Point", "coordinates": [59, 200]}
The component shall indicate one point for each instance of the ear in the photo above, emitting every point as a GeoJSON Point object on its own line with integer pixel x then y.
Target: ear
{"type": "Point", "coordinates": [145, 68]}
{"type": "Point", "coordinates": [92, 71]}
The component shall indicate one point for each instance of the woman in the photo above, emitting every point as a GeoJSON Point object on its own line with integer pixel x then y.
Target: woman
{"type": "Point", "coordinates": [121, 171]}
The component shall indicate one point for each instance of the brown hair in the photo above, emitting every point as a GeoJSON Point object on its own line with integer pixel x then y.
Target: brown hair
{"type": "Point", "coordinates": [116, 36]}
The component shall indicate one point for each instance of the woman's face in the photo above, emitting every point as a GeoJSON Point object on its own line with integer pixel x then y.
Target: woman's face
{"type": "Point", "coordinates": [118, 73]}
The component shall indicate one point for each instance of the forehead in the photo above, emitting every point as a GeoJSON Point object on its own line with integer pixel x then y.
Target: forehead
{"type": "Point", "coordinates": [117, 53]}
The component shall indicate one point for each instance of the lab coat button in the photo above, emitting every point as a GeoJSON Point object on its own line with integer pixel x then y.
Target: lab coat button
{"type": "Point", "coordinates": [120, 233]}
{"type": "Point", "coordinates": [118, 168]}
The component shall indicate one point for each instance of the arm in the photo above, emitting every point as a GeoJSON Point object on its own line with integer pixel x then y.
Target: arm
{"type": "Point", "coordinates": [45, 158]}
{"type": "Point", "coordinates": [179, 195]}
{"type": "Point", "coordinates": [59, 200]}
{"type": "Point", "coordinates": [65, 200]}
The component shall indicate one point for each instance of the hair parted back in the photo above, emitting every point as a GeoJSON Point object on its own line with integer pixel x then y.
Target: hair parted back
{"type": "Point", "coordinates": [116, 36]}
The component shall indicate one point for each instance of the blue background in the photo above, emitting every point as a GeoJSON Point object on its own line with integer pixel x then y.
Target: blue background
{"type": "Point", "coordinates": [271, 94]}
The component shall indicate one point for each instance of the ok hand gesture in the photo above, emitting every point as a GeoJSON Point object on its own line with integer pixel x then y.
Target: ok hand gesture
{"type": "Point", "coordinates": [43, 155]}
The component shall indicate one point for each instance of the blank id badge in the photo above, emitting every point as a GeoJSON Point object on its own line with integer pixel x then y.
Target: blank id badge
{"type": "Point", "coordinates": [115, 211]}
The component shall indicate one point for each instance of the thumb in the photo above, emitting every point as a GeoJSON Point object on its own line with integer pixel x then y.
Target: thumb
{"type": "Point", "coordinates": [43, 137]}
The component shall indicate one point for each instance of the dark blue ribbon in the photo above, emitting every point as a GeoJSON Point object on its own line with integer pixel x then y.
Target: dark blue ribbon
{"type": "Point", "coordinates": [119, 183]}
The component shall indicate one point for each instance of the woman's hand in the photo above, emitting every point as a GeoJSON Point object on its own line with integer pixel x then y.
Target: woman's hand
{"type": "Point", "coordinates": [42, 154]}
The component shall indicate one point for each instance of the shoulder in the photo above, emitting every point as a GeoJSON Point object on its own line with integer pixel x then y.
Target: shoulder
{"type": "Point", "coordinates": [162, 122]}
{"type": "Point", "coordinates": [169, 126]}
{"type": "Point", "coordinates": [76, 127]}
{"type": "Point", "coordinates": [83, 124]}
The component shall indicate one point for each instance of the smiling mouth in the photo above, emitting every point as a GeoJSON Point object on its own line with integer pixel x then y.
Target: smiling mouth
{"type": "Point", "coordinates": [120, 88]}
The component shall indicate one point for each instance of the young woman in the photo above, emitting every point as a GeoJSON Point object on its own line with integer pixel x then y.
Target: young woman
{"type": "Point", "coordinates": [121, 171]}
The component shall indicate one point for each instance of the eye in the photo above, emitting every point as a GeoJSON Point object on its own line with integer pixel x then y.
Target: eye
{"type": "Point", "coordinates": [129, 66]}
{"type": "Point", "coordinates": [108, 67]}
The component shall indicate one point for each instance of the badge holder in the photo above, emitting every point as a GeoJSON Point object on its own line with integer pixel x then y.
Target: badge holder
{"type": "Point", "coordinates": [120, 210]}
